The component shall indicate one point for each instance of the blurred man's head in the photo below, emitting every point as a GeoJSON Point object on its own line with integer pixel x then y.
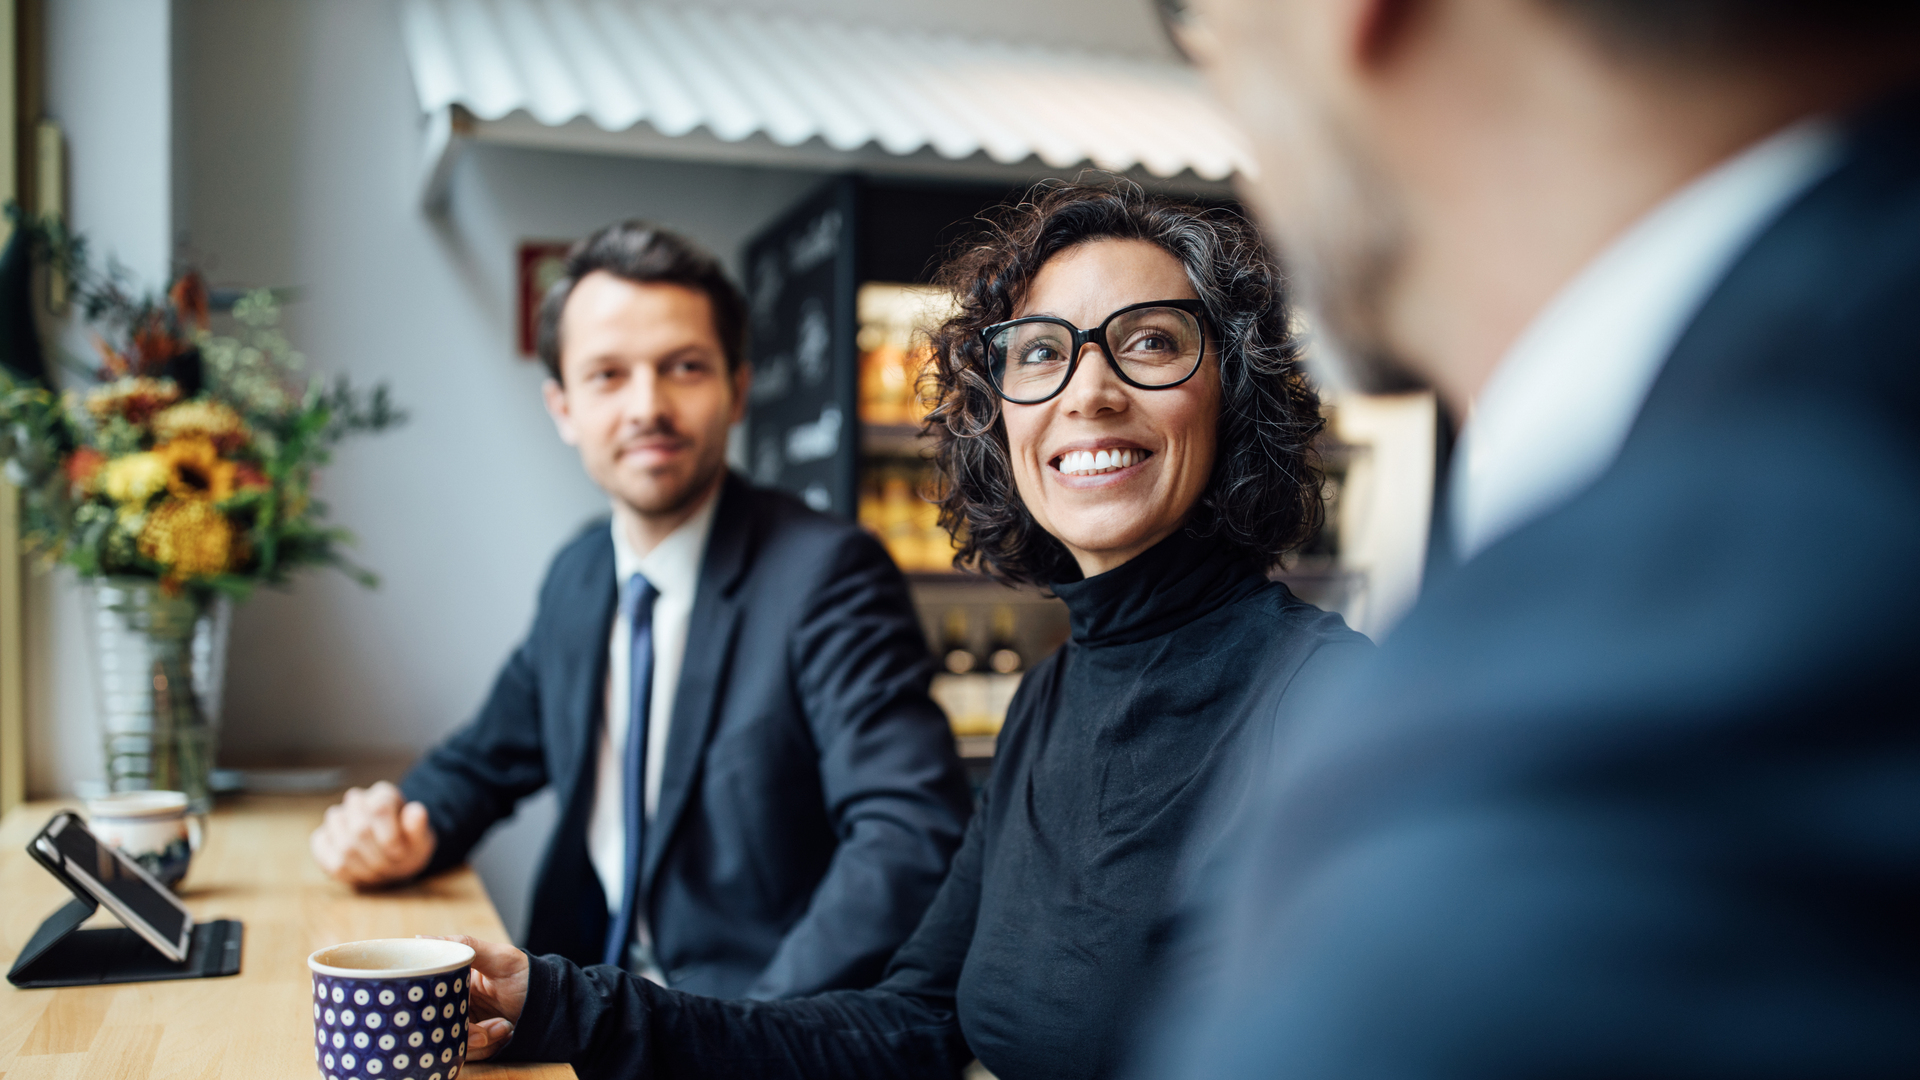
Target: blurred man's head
{"type": "Point", "coordinates": [644, 342]}
{"type": "Point", "coordinates": [1434, 170]}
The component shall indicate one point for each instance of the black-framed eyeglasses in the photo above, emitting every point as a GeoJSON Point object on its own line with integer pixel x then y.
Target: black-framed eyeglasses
{"type": "Point", "coordinates": [1152, 346]}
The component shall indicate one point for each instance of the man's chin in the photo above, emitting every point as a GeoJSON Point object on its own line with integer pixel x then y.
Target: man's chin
{"type": "Point", "coordinates": [658, 495]}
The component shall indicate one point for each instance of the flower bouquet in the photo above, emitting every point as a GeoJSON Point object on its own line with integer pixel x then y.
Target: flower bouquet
{"type": "Point", "coordinates": [174, 473]}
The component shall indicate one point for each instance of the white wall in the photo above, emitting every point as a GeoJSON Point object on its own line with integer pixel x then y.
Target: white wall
{"type": "Point", "coordinates": [109, 80]}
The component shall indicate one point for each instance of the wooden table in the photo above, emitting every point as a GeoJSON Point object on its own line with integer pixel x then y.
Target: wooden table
{"type": "Point", "coordinates": [256, 1025]}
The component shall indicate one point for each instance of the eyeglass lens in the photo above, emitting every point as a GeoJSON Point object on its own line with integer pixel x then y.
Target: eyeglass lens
{"type": "Point", "coordinates": [1154, 346]}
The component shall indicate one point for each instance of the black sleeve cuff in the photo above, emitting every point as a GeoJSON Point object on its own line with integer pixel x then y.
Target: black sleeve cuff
{"type": "Point", "coordinates": [541, 1034]}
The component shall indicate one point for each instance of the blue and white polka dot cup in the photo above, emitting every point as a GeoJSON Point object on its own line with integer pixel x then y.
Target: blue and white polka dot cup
{"type": "Point", "coordinates": [391, 1009]}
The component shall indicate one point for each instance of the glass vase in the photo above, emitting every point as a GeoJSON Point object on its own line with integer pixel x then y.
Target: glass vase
{"type": "Point", "coordinates": [160, 663]}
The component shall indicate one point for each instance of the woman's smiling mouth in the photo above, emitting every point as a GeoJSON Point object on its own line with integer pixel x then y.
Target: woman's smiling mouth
{"type": "Point", "coordinates": [1099, 462]}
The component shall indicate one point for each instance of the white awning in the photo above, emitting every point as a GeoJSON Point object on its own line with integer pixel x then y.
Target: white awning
{"type": "Point", "coordinates": [714, 84]}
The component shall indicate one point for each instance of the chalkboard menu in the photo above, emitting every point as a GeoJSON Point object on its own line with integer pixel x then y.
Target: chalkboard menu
{"type": "Point", "coordinates": [803, 436]}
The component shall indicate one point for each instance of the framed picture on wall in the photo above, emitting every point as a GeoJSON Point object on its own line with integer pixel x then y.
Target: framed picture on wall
{"type": "Point", "coordinates": [541, 263]}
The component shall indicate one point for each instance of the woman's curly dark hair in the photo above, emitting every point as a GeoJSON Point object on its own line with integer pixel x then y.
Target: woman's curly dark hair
{"type": "Point", "coordinates": [1264, 496]}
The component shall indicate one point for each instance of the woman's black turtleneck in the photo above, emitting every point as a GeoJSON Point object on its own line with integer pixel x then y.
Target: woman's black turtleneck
{"type": "Point", "coordinates": [1048, 935]}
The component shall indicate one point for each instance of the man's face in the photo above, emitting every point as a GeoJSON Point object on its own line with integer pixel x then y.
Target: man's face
{"type": "Point", "coordinates": [1320, 196]}
{"type": "Point", "coordinates": [645, 395]}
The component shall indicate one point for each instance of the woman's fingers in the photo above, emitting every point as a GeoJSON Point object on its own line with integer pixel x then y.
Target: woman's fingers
{"type": "Point", "coordinates": [499, 978]}
{"type": "Point", "coordinates": [486, 1037]}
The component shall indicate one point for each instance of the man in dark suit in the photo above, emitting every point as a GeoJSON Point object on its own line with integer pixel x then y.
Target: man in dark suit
{"type": "Point", "coordinates": [726, 690]}
{"type": "Point", "coordinates": [1635, 789]}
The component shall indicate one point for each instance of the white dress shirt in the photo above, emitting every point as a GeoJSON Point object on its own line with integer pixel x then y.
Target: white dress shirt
{"type": "Point", "coordinates": [1558, 408]}
{"type": "Point", "coordinates": [673, 568]}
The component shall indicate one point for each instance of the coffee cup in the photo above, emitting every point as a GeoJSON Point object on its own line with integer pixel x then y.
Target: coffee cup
{"type": "Point", "coordinates": [153, 827]}
{"type": "Point", "coordinates": [391, 1009]}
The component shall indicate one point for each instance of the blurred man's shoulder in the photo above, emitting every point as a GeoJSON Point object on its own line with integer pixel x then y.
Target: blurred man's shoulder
{"type": "Point", "coordinates": [586, 557]}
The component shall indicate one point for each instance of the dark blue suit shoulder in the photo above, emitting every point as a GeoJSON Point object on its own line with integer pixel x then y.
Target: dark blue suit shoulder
{"type": "Point", "coordinates": [586, 555]}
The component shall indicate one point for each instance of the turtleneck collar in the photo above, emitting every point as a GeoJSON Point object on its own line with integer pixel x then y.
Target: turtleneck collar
{"type": "Point", "coordinates": [1163, 588]}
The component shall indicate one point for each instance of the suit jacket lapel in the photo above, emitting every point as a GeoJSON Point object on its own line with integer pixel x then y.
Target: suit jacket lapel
{"type": "Point", "coordinates": [703, 669]}
{"type": "Point", "coordinates": [585, 626]}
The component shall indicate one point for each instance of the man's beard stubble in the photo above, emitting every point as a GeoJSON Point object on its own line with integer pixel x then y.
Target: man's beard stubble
{"type": "Point", "coordinates": [666, 501]}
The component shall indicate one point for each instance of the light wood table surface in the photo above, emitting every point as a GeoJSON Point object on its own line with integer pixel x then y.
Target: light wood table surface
{"type": "Point", "coordinates": [257, 1025]}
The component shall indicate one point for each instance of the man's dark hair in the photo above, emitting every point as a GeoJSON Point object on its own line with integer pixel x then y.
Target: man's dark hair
{"type": "Point", "coordinates": [648, 255]}
{"type": "Point", "coordinates": [1731, 27]}
{"type": "Point", "coordinates": [1264, 497]}
{"type": "Point", "coordinates": [1696, 28]}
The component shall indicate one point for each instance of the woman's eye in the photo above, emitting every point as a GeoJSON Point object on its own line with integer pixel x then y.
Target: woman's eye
{"type": "Point", "coordinates": [1040, 354]}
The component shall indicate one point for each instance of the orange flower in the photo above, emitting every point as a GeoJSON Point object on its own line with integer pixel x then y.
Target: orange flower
{"type": "Point", "coordinates": [248, 478]}
{"type": "Point", "coordinates": [132, 397]}
{"type": "Point", "coordinates": [83, 464]}
{"type": "Point", "coordinates": [195, 469]}
{"type": "Point", "coordinates": [189, 538]}
{"type": "Point", "coordinates": [154, 345]}
{"type": "Point", "coordinates": [190, 300]}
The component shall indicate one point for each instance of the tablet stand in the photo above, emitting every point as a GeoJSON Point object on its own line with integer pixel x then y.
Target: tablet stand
{"type": "Point", "coordinates": [60, 954]}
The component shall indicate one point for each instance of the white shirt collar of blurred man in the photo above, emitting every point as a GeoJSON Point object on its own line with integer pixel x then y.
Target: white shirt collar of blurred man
{"type": "Point", "coordinates": [1559, 406]}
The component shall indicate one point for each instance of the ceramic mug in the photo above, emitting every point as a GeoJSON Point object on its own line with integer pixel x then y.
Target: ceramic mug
{"type": "Point", "coordinates": [153, 827]}
{"type": "Point", "coordinates": [391, 1009]}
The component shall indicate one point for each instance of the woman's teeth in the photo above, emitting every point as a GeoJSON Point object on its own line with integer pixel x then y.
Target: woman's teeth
{"type": "Point", "coordinates": [1090, 462]}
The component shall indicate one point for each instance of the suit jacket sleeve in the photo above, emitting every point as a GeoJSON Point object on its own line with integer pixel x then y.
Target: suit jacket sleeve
{"type": "Point", "coordinates": [895, 793]}
{"type": "Point", "coordinates": [475, 778]}
{"type": "Point", "coordinates": [609, 1024]}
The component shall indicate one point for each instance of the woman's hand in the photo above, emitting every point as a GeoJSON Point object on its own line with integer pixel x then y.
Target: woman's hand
{"type": "Point", "coordinates": [499, 993]}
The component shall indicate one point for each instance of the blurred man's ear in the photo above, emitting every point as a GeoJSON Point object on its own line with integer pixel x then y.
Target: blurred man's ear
{"type": "Point", "coordinates": [555, 397]}
{"type": "Point", "coordinates": [1379, 26]}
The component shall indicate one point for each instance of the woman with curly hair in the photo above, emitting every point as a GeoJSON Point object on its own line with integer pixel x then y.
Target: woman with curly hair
{"type": "Point", "coordinates": [1121, 418]}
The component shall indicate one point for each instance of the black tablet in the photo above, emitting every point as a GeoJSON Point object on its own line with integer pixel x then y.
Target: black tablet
{"type": "Point", "coordinates": [93, 869]}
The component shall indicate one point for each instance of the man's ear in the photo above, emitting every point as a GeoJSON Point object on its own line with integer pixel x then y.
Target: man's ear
{"type": "Point", "coordinates": [555, 397]}
{"type": "Point", "coordinates": [742, 382]}
{"type": "Point", "coordinates": [1379, 27]}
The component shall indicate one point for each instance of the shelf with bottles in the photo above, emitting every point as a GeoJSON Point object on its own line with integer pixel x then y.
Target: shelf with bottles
{"type": "Point", "coordinates": [895, 473]}
{"type": "Point", "coordinates": [986, 643]}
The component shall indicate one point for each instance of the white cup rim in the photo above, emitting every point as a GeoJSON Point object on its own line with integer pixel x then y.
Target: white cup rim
{"type": "Point", "coordinates": [426, 956]}
{"type": "Point", "coordinates": [137, 804]}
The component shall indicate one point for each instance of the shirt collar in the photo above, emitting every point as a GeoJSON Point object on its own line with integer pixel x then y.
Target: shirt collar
{"type": "Point", "coordinates": [674, 563]}
{"type": "Point", "coordinates": [1557, 409]}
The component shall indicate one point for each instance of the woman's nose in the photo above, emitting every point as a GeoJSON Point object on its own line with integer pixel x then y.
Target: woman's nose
{"type": "Point", "coordinates": [1094, 388]}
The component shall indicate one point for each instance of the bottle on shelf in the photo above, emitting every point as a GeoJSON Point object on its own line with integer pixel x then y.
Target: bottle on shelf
{"type": "Point", "coordinates": [1003, 655]}
{"type": "Point", "coordinates": [956, 653]}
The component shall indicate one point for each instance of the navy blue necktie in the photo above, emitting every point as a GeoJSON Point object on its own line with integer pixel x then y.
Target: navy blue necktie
{"type": "Point", "coordinates": [636, 607]}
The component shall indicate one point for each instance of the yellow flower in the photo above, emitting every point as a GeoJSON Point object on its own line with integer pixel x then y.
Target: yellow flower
{"type": "Point", "coordinates": [205, 419]}
{"type": "Point", "coordinates": [195, 469]}
{"type": "Point", "coordinates": [133, 479]}
{"type": "Point", "coordinates": [189, 538]}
